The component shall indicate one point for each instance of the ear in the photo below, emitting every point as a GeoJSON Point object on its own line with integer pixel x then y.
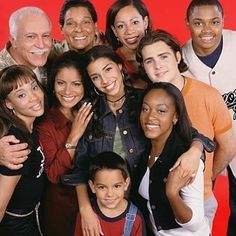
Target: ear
{"type": "Point", "coordinates": [175, 118]}
{"type": "Point", "coordinates": [186, 22]}
{"type": "Point", "coordinates": [8, 104]}
{"type": "Point", "coordinates": [127, 183]}
{"type": "Point", "coordinates": [13, 41]}
{"type": "Point", "coordinates": [145, 22]}
{"type": "Point", "coordinates": [178, 57]}
{"type": "Point", "coordinates": [114, 30]}
{"type": "Point", "coordinates": [91, 185]}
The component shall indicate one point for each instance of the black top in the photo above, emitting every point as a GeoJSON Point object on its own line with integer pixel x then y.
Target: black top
{"type": "Point", "coordinates": [29, 189]}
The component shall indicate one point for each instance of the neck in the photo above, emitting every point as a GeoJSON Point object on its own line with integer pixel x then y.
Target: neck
{"type": "Point", "coordinates": [67, 112]}
{"type": "Point", "coordinates": [179, 82]}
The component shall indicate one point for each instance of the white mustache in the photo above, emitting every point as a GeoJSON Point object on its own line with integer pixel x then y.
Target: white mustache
{"type": "Point", "coordinates": [40, 50]}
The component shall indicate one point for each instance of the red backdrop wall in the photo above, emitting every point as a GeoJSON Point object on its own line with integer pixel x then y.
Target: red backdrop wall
{"type": "Point", "coordinates": [169, 16]}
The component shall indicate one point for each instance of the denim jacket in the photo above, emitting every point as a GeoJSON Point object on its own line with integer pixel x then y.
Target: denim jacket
{"type": "Point", "coordinates": [132, 138]}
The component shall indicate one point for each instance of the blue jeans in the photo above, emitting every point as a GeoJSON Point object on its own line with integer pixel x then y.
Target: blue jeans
{"type": "Point", "coordinates": [232, 203]}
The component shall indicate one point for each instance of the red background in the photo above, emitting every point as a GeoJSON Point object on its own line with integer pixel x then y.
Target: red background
{"type": "Point", "coordinates": [168, 16]}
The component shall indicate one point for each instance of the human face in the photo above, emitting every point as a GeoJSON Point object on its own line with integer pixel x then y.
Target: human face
{"type": "Point", "coordinates": [205, 24]}
{"type": "Point", "coordinates": [161, 63]}
{"type": "Point", "coordinates": [26, 101]}
{"type": "Point", "coordinates": [109, 187]}
{"type": "Point", "coordinates": [68, 88]}
{"type": "Point", "coordinates": [157, 115]}
{"type": "Point", "coordinates": [129, 27]}
{"type": "Point", "coordinates": [33, 42]}
{"type": "Point", "coordinates": [106, 76]}
{"type": "Point", "coordinates": [79, 28]}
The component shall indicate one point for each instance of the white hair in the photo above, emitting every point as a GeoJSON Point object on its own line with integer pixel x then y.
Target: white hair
{"type": "Point", "coordinates": [15, 17]}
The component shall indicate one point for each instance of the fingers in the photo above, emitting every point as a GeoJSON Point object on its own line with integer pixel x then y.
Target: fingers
{"type": "Point", "coordinates": [9, 139]}
{"type": "Point", "coordinates": [19, 149]}
{"type": "Point", "coordinates": [177, 163]}
{"type": "Point", "coordinates": [83, 112]}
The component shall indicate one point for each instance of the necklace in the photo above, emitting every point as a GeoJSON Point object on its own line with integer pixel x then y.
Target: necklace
{"type": "Point", "coordinates": [116, 100]}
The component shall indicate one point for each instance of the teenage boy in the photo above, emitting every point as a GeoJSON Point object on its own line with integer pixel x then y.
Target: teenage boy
{"type": "Point", "coordinates": [109, 180]}
{"type": "Point", "coordinates": [210, 55]}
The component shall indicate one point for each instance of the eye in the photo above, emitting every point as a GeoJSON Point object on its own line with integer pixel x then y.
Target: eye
{"type": "Point", "coordinates": [136, 22]}
{"type": "Point", "coordinates": [77, 84]}
{"type": "Point", "coordinates": [30, 36]}
{"type": "Point", "coordinates": [148, 62]}
{"type": "Point", "coordinates": [87, 22]}
{"type": "Point", "coordinates": [21, 95]}
{"type": "Point", "coordinates": [120, 26]}
{"type": "Point", "coordinates": [35, 87]}
{"type": "Point", "coordinates": [118, 186]}
{"type": "Point", "coordinates": [144, 109]}
{"type": "Point", "coordinates": [198, 23]}
{"type": "Point", "coordinates": [161, 111]}
{"type": "Point", "coordinates": [215, 22]}
{"type": "Point", "coordinates": [108, 69]}
{"type": "Point", "coordinates": [60, 83]}
{"type": "Point", "coordinates": [46, 36]}
{"type": "Point", "coordinates": [163, 57]}
{"type": "Point", "coordinates": [94, 78]}
{"type": "Point", "coordinates": [101, 187]}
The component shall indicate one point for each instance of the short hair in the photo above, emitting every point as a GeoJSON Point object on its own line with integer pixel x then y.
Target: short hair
{"type": "Point", "coordinates": [107, 161]}
{"type": "Point", "coordinates": [77, 3]}
{"type": "Point", "coordinates": [113, 11]}
{"type": "Point", "coordinates": [183, 125]}
{"type": "Point", "coordinates": [15, 16]}
{"type": "Point", "coordinates": [198, 3]}
{"type": "Point", "coordinates": [164, 36]}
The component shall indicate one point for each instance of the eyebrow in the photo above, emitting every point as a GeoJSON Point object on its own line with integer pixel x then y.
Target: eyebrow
{"type": "Point", "coordinates": [121, 21]}
{"type": "Point", "coordinates": [158, 55]}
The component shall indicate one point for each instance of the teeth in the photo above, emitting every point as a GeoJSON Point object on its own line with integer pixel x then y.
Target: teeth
{"type": "Point", "coordinates": [37, 106]}
{"type": "Point", "coordinates": [80, 38]}
{"type": "Point", "coordinates": [207, 38]}
{"type": "Point", "coordinates": [132, 40]}
{"type": "Point", "coordinates": [151, 126]}
{"type": "Point", "coordinates": [110, 86]}
{"type": "Point", "coordinates": [68, 98]}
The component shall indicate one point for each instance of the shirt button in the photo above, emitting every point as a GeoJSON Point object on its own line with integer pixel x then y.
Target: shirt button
{"type": "Point", "coordinates": [159, 228]}
{"type": "Point", "coordinates": [125, 132]}
{"type": "Point", "coordinates": [150, 181]}
{"type": "Point", "coordinates": [90, 137]}
{"type": "Point", "coordinates": [153, 207]}
{"type": "Point", "coordinates": [120, 111]}
{"type": "Point", "coordinates": [213, 72]}
{"type": "Point", "coordinates": [131, 150]}
{"type": "Point", "coordinates": [165, 180]}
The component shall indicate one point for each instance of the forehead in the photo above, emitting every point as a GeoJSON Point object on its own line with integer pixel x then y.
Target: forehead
{"type": "Point", "coordinates": [108, 176]}
{"type": "Point", "coordinates": [157, 97]}
{"type": "Point", "coordinates": [156, 48]}
{"type": "Point", "coordinates": [100, 63]}
{"type": "Point", "coordinates": [77, 12]}
{"type": "Point", "coordinates": [33, 23]}
{"type": "Point", "coordinates": [205, 12]}
{"type": "Point", "coordinates": [126, 13]}
{"type": "Point", "coordinates": [68, 73]}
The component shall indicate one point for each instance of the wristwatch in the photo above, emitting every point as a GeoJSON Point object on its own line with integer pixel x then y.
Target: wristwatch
{"type": "Point", "coordinates": [70, 146]}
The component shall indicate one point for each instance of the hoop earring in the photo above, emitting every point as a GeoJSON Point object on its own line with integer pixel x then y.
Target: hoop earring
{"type": "Point", "coordinates": [96, 91]}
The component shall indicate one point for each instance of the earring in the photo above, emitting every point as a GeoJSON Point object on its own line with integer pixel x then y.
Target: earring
{"type": "Point", "coordinates": [13, 111]}
{"type": "Point", "coordinates": [174, 122]}
{"type": "Point", "coordinates": [97, 92]}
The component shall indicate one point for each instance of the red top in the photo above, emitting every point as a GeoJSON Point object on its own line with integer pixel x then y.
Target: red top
{"type": "Point", "coordinates": [60, 201]}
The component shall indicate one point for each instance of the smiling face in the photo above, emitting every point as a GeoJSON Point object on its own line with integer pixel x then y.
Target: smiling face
{"type": "Point", "coordinates": [32, 42]}
{"type": "Point", "coordinates": [161, 63]}
{"type": "Point", "coordinates": [26, 101]}
{"type": "Point", "coordinates": [106, 76]}
{"type": "Point", "coordinates": [129, 27]}
{"type": "Point", "coordinates": [110, 187]}
{"type": "Point", "coordinates": [79, 28]}
{"type": "Point", "coordinates": [68, 88]}
{"type": "Point", "coordinates": [158, 115]}
{"type": "Point", "coordinates": [205, 24]}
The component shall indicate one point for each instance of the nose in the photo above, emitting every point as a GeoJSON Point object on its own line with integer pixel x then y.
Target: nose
{"type": "Point", "coordinates": [67, 89]}
{"type": "Point", "coordinates": [151, 115]}
{"type": "Point", "coordinates": [206, 27]}
{"type": "Point", "coordinates": [109, 192]}
{"type": "Point", "coordinates": [104, 79]}
{"type": "Point", "coordinates": [129, 29]}
{"type": "Point", "coordinates": [78, 27]}
{"type": "Point", "coordinates": [40, 42]}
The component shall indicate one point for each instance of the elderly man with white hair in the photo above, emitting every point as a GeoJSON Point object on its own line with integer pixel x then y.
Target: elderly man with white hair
{"type": "Point", "coordinates": [30, 40]}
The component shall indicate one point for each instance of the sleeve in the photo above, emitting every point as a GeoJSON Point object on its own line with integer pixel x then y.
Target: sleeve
{"type": "Point", "coordinates": [208, 144]}
{"type": "Point", "coordinates": [26, 165]}
{"type": "Point", "coordinates": [193, 197]}
{"type": "Point", "coordinates": [139, 227]}
{"type": "Point", "coordinates": [57, 159]}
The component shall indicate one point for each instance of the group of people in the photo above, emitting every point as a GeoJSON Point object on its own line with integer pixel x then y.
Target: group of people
{"type": "Point", "coordinates": [121, 133]}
